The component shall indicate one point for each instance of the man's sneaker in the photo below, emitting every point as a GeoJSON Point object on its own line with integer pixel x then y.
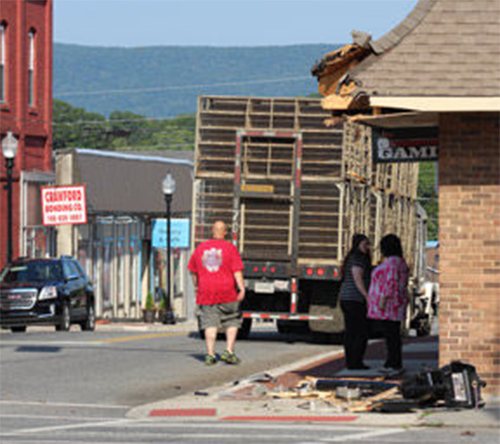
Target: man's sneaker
{"type": "Point", "coordinates": [210, 359]}
{"type": "Point", "coordinates": [229, 357]}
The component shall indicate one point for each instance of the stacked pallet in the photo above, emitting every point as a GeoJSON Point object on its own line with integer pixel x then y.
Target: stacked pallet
{"type": "Point", "coordinates": [383, 195]}
{"type": "Point", "coordinates": [326, 171]}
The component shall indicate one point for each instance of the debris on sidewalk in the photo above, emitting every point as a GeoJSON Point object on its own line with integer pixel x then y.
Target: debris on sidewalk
{"type": "Point", "coordinates": [366, 385]}
{"type": "Point", "coordinates": [454, 386]}
{"type": "Point", "coordinates": [201, 393]}
{"type": "Point", "coordinates": [259, 390]}
{"type": "Point", "coordinates": [344, 394]}
{"type": "Point", "coordinates": [348, 393]}
{"type": "Point", "coordinates": [260, 377]}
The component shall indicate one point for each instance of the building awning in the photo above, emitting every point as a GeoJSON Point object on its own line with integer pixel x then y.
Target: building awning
{"type": "Point", "coordinates": [438, 104]}
{"type": "Point", "coordinates": [400, 120]}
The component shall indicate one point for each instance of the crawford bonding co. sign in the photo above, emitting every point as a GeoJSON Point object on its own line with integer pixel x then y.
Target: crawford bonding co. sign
{"type": "Point", "coordinates": [64, 205]}
{"type": "Point", "coordinates": [405, 145]}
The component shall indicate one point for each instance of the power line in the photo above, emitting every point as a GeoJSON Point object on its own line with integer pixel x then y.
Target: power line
{"type": "Point", "coordinates": [170, 120]}
{"type": "Point", "coordinates": [179, 87]}
{"type": "Point", "coordinates": [138, 148]}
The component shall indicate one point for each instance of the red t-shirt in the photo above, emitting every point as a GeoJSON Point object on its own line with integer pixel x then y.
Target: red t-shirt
{"type": "Point", "coordinates": [214, 262]}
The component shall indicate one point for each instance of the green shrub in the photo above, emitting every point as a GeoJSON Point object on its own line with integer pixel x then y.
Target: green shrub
{"type": "Point", "coordinates": [150, 302]}
{"type": "Point", "coordinates": [162, 304]}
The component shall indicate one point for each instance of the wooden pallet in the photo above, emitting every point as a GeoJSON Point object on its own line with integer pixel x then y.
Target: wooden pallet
{"type": "Point", "coordinates": [341, 191]}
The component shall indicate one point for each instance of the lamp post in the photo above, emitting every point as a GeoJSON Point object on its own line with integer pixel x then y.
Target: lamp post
{"type": "Point", "coordinates": [9, 150]}
{"type": "Point", "coordinates": [168, 188]}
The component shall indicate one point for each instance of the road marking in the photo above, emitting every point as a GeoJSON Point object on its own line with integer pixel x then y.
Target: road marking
{"type": "Point", "coordinates": [58, 418]}
{"type": "Point", "coordinates": [366, 433]}
{"type": "Point", "coordinates": [66, 427]}
{"type": "Point", "coordinates": [210, 424]}
{"type": "Point", "coordinates": [200, 436]}
{"type": "Point", "coordinates": [45, 343]}
{"type": "Point", "coordinates": [361, 436]}
{"type": "Point", "coordinates": [183, 412]}
{"type": "Point", "coordinates": [290, 418]}
{"type": "Point", "coordinates": [98, 342]}
{"type": "Point", "coordinates": [138, 338]}
{"type": "Point", "coordinates": [63, 404]}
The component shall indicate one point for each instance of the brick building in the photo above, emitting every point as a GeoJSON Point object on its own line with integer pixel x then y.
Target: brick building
{"type": "Point", "coordinates": [441, 68]}
{"type": "Point", "coordinates": [26, 110]}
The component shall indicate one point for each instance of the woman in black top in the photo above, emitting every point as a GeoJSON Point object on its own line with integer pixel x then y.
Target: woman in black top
{"type": "Point", "coordinates": [353, 301]}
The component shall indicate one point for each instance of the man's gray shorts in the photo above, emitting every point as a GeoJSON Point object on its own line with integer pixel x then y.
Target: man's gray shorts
{"type": "Point", "coordinates": [220, 315]}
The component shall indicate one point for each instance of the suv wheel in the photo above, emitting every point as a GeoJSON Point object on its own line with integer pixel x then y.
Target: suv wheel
{"type": "Point", "coordinates": [65, 321]}
{"type": "Point", "coordinates": [18, 329]}
{"type": "Point", "coordinates": [89, 324]}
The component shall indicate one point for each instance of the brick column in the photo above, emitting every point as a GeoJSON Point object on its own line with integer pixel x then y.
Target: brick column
{"type": "Point", "coordinates": [469, 199]}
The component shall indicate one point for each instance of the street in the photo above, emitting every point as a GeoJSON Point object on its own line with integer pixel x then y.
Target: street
{"type": "Point", "coordinates": [128, 368]}
{"type": "Point", "coordinates": [111, 429]}
{"type": "Point", "coordinates": [77, 387]}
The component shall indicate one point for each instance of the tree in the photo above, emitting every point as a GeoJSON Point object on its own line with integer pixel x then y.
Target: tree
{"type": "Point", "coordinates": [75, 128]}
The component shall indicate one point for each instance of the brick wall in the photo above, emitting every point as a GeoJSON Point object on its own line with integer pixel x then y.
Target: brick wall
{"type": "Point", "coordinates": [469, 199]}
{"type": "Point", "coordinates": [31, 125]}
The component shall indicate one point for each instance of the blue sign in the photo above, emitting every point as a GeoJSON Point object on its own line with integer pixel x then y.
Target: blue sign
{"type": "Point", "coordinates": [179, 233]}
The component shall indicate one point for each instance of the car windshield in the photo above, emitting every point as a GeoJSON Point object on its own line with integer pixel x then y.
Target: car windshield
{"type": "Point", "coordinates": [32, 272]}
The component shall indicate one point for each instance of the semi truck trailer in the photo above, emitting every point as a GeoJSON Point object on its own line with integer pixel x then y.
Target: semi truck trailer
{"type": "Point", "coordinates": [293, 187]}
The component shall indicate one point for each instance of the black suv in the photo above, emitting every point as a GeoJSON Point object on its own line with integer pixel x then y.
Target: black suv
{"type": "Point", "coordinates": [46, 291]}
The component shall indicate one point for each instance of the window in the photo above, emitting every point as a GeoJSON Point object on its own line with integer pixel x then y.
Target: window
{"type": "Point", "coordinates": [31, 68]}
{"type": "Point", "coordinates": [2, 63]}
{"type": "Point", "coordinates": [70, 271]}
{"type": "Point", "coordinates": [73, 269]}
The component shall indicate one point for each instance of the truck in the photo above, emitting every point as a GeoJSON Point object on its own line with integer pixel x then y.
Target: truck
{"type": "Point", "coordinates": [295, 185]}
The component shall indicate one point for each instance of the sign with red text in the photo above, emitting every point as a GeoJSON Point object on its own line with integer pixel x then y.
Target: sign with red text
{"type": "Point", "coordinates": [64, 205]}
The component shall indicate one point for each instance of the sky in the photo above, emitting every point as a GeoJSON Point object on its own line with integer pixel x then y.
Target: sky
{"type": "Point", "coordinates": [132, 23]}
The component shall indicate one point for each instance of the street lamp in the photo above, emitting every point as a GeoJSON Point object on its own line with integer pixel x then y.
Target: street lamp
{"type": "Point", "coordinates": [9, 150]}
{"type": "Point", "coordinates": [168, 188]}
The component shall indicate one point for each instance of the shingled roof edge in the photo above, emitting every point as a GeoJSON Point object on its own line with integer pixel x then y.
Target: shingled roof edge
{"type": "Point", "coordinates": [399, 32]}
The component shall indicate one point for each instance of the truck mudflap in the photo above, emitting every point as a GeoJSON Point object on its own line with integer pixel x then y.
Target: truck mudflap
{"type": "Point", "coordinates": [285, 316]}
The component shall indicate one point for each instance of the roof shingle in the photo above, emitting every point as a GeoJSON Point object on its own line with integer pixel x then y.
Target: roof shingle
{"type": "Point", "coordinates": [454, 50]}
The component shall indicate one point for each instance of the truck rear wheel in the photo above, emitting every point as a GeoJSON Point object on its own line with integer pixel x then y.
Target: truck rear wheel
{"type": "Point", "coordinates": [323, 298]}
{"type": "Point", "coordinates": [245, 328]}
{"type": "Point", "coordinates": [286, 327]}
{"type": "Point", "coordinates": [318, 337]}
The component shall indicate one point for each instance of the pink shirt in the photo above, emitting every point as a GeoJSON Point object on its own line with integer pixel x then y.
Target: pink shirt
{"type": "Point", "coordinates": [389, 280]}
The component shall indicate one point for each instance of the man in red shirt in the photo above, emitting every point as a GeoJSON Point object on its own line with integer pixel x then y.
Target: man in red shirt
{"type": "Point", "coordinates": [216, 268]}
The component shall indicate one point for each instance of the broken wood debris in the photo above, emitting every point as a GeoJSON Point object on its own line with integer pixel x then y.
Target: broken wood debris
{"type": "Point", "coordinates": [346, 394]}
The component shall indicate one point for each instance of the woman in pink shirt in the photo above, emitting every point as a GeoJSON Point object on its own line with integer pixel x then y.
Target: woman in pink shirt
{"type": "Point", "coordinates": [387, 300]}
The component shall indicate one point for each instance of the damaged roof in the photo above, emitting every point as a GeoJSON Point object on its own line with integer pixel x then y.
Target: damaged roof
{"type": "Point", "coordinates": [443, 48]}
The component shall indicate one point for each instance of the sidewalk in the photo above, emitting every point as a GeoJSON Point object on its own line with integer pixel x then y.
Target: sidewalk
{"type": "Point", "coordinates": [250, 400]}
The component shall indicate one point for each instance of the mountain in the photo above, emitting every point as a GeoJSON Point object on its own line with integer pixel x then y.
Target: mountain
{"type": "Point", "coordinates": [165, 81]}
